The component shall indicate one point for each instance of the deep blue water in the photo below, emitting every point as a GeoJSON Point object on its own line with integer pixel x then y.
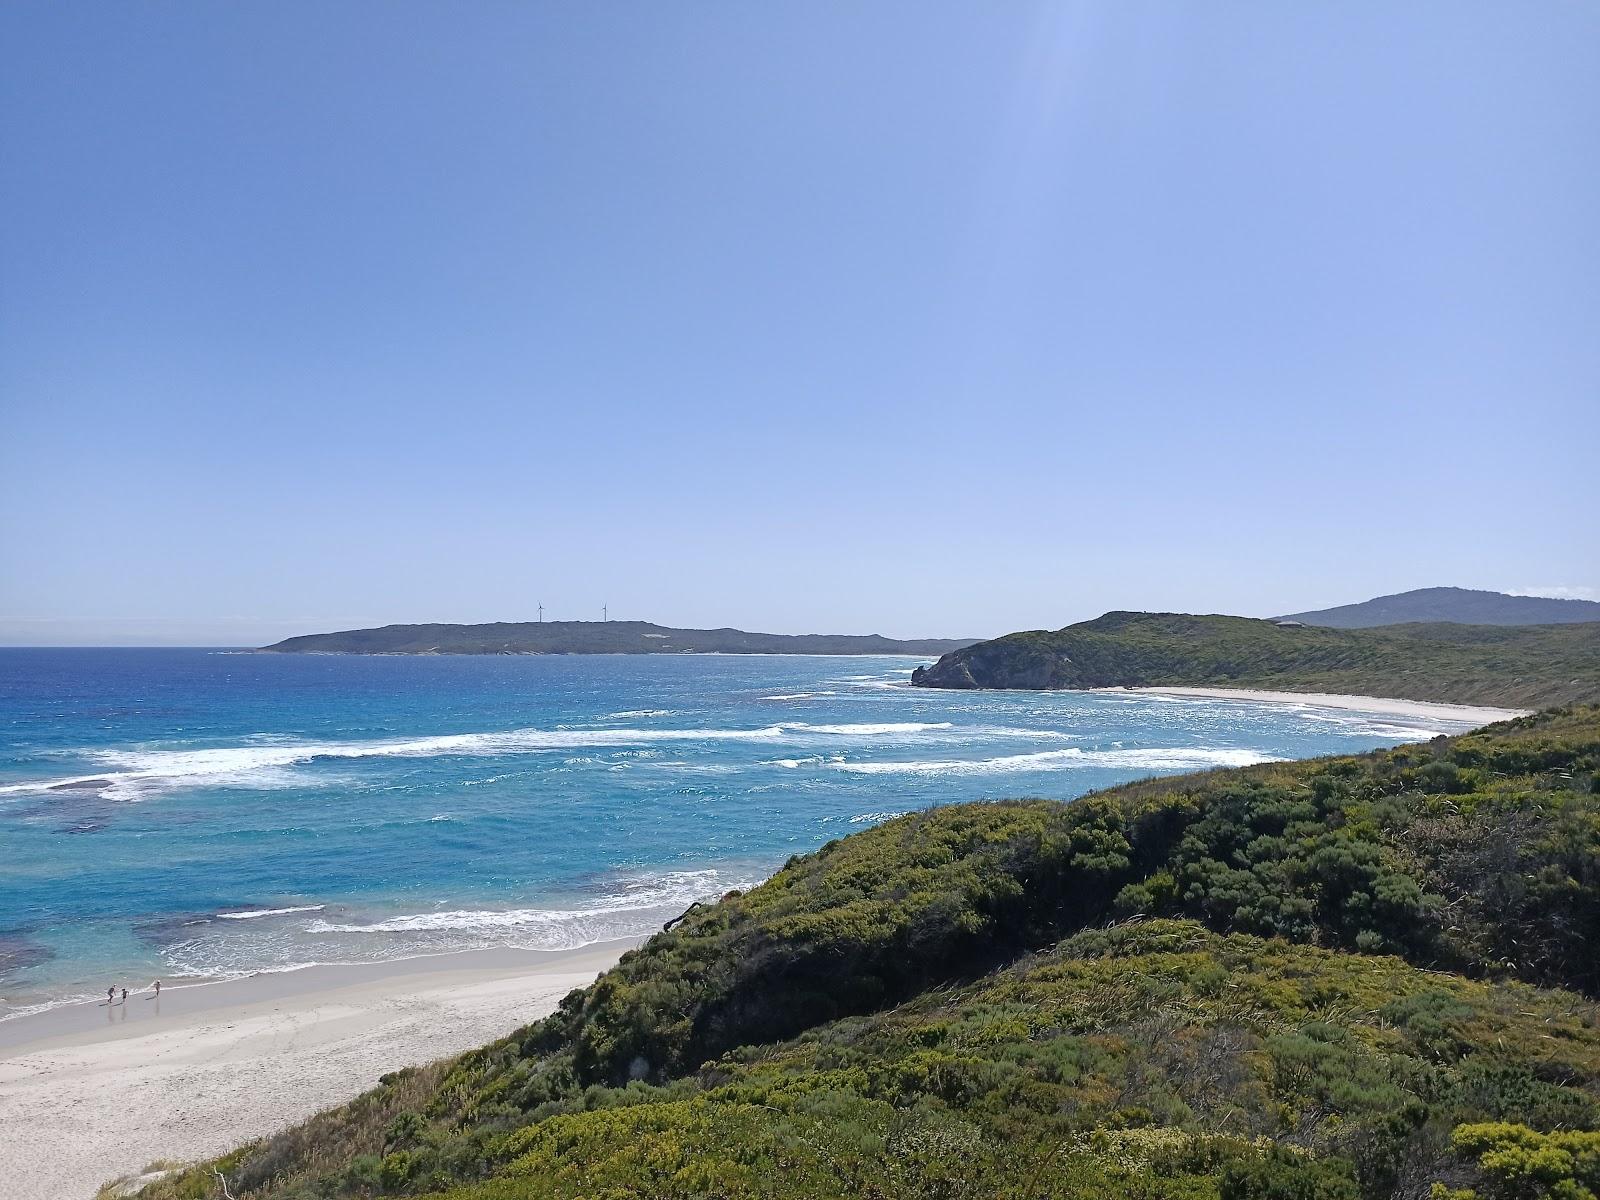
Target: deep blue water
{"type": "Point", "coordinates": [156, 805]}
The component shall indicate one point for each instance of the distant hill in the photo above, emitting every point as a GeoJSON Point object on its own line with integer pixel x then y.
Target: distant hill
{"type": "Point", "coordinates": [1524, 666]}
{"type": "Point", "coordinates": [597, 637]}
{"type": "Point", "coordinates": [1460, 606]}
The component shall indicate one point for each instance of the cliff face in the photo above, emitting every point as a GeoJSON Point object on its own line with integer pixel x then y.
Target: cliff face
{"type": "Point", "coordinates": [1019, 661]}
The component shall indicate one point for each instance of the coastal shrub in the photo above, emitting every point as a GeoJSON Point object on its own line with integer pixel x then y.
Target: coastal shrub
{"type": "Point", "coordinates": [1284, 1176]}
{"type": "Point", "coordinates": [1104, 1063]}
{"type": "Point", "coordinates": [1519, 1163]}
{"type": "Point", "coordinates": [1288, 980]}
{"type": "Point", "coordinates": [1348, 853]}
{"type": "Point", "coordinates": [404, 1130]}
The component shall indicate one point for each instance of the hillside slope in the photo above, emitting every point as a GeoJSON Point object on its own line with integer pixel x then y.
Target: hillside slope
{"type": "Point", "coordinates": [1516, 666]}
{"type": "Point", "coordinates": [596, 637]}
{"type": "Point", "coordinates": [1462, 606]}
{"type": "Point", "coordinates": [1309, 981]}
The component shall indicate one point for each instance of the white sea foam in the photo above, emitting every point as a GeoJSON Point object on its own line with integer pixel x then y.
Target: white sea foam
{"type": "Point", "coordinates": [134, 774]}
{"type": "Point", "coordinates": [694, 768]}
{"type": "Point", "coordinates": [631, 908]}
{"type": "Point", "coordinates": [1365, 726]}
{"type": "Point", "coordinates": [252, 914]}
{"type": "Point", "coordinates": [1154, 759]}
{"type": "Point", "coordinates": [492, 779]}
{"type": "Point", "coordinates": [871, 729]}
{"type": "Point", "coordinates": [809, 760]}
{"type": "Point", "coordinates": [27, 1010]}
{"type": "Point", "coordinates": [671, 890]}
{"type": "Point", "coordinates": [241, 767]}
{"type": "Point", "coordinates": [1382, 729]}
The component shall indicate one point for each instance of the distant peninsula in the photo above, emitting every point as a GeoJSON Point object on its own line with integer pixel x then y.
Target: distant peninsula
{"type": "Point", "coordinates": [1461, 606]}
{"type": "Point", "coordinates": [1523, 666]}
{"type": "Point", "coordinates": [598, 637]}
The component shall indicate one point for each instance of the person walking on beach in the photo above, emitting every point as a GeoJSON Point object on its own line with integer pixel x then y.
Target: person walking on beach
{"type": "Point", "coordinates": [124, 995]}
{"type": "Point", "coordinates": [111, 995]}
{"type": "Point", "coordinates": [157, 986]}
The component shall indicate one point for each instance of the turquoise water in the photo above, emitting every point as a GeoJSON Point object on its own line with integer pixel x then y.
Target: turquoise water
{"type": "Point", "coordinates": [191, 812]}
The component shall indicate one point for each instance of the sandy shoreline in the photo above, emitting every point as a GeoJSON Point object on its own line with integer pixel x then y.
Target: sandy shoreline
{"type": "Point", "coordinates": [1421, 710]}
{"type": "Point", "coordinates": [89, 1093]}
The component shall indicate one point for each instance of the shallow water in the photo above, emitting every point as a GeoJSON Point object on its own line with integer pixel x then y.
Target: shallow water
{"type": "Point", "coordinates": [191, 812]}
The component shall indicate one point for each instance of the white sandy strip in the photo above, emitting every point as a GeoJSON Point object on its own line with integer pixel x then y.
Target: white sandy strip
{"type": "Point", "coordinates": [1421, 710]}
{"type": "Point", "coordinates": [80, 1109]}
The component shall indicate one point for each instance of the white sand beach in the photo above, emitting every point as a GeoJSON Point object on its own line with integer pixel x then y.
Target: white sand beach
{"type": "Point", "coordinates": [1420, 710]}
{"type": "Point", "coordinates": [89, 1093]}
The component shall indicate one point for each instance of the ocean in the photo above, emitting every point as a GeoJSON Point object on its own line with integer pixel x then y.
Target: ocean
{"type": "Point", "coordinates": [200, 813]}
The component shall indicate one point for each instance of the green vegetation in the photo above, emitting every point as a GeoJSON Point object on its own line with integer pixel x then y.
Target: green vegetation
{"type": "Point", "coordinates": [1341, 979]}
{"type": "Point", "coordinates": [597, 637]}
{"type": "Point", "coordinates": [1519, 666]}
{"type": "Point", "coordinates": [1518, 1161]}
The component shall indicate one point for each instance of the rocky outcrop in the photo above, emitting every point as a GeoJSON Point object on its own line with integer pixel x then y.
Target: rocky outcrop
{"type": "Point", "coordinates": [1019, 661]}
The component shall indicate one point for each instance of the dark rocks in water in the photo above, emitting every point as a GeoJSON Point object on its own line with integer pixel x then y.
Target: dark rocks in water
{"type": "Point", "coordinates": [95, 784]}
{"type": "Point", "coordinates": [18, 952]}
{"type": "Point", "coordinates": [164, 931]}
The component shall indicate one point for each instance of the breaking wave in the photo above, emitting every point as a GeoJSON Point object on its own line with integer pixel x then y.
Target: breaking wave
{"type": "Point", "coordinates": [134, 774]}
{"type": "Point", "coordinates": [673, 889]}
{"type": "Point", "coordinates": [632, 908]}
{"type": "Point", "coordinates": [1154, 759]}
{"type": "Point", "coordinates": [253, 913]}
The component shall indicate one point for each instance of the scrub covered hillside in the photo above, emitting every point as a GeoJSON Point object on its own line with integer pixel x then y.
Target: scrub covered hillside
{"type": "Point", "coordinates": [1529, 666]}
{"type": "Point", "coordinates": [1352, 977]}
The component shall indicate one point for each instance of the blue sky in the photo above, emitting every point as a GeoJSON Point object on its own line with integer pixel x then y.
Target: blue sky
{"type": "Point", "coordinates": [920, 318]}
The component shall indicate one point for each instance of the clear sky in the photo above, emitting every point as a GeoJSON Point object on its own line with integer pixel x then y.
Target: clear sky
{"type": "Point", "coordinates": [918, 318]}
